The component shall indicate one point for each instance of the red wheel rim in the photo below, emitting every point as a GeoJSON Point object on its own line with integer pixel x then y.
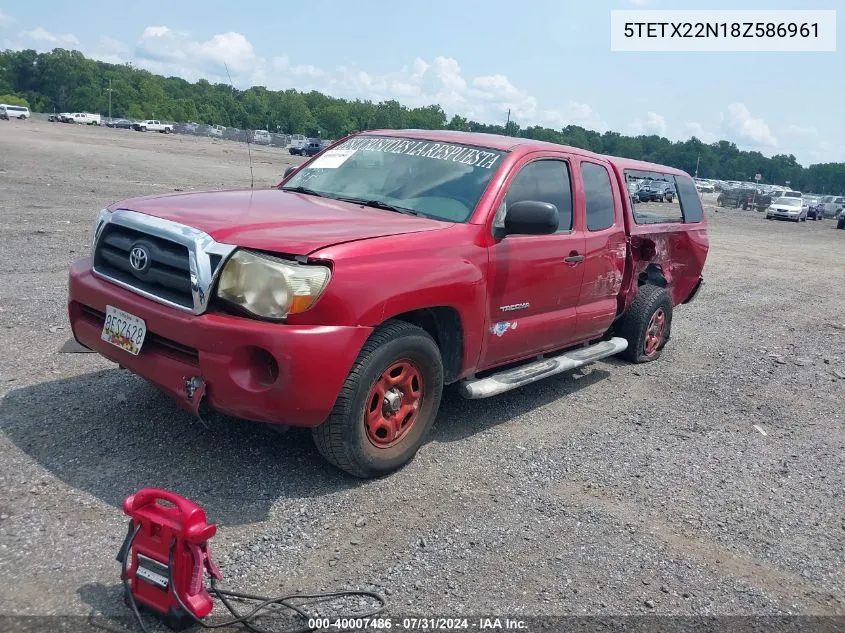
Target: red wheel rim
{"type": "Point", "coordinates": [654, 332]}
{"type": "Point", "coordinates": [394, 403]}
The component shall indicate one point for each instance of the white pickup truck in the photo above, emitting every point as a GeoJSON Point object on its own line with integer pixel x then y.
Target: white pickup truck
{"type": "Point", "coordinates": [152, 125]}
{"type": "Point", "coordinates": [85, 118]}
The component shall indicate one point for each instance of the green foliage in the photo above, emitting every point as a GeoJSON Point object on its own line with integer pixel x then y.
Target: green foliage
{"type": "Point", "coordinates": [13, 100]}
{"type": "Point", "coordinates": [62, 81]}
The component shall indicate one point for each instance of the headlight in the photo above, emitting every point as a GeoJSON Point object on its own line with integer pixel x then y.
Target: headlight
{"type": "Point", "coordinates": [270, 287]}
{"type": "Point", "coordinates": [98, 225]}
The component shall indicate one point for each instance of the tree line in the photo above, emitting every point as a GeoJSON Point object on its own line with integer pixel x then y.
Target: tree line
{"type": "Point", "coordinates": [64, 81]}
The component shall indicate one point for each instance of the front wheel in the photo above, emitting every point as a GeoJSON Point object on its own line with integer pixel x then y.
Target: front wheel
{"type": "Point", "coordinates": [143, 129]}
{"type": "Point", "coordinates": [646, 325]}
{"type": "Point", "coordinates": [387, 404]}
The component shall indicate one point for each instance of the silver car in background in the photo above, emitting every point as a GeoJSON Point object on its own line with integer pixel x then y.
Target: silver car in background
{"type": "Point", "coordinates": [787, 209]}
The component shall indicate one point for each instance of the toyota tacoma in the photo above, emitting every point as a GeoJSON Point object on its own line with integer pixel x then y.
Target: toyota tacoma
{"type": "Point", "coordinates": [392, 263]}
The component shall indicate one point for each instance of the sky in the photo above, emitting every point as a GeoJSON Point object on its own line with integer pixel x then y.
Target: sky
{"type": "Point", "coordinates": [548, 61]}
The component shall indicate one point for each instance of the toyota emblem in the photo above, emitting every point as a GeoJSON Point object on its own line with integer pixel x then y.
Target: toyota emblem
{"type": "Point", "coordinates": [139, 259]}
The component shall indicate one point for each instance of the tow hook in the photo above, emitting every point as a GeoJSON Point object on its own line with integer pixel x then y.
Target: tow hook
{"type": "Point", "coordinates": [192, 385]}
{"type": "Point", "coordinates": [195, 394]}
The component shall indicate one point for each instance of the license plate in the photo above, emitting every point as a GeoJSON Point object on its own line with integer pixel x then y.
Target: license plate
{"type": "Point", "coordinates": [124, 330]}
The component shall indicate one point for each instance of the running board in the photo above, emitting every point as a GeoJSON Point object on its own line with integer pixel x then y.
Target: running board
{"type": "Point", "coordinates": [539, 369]}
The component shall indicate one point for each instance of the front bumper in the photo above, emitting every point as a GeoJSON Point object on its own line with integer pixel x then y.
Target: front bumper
{"type": "Point", "coordinates": [784, 215]}
{"type": "Point", "coordinates": [268, 372]}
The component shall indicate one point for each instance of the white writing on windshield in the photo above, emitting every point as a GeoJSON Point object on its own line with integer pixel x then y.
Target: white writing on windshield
{"type": "Point", "coordinates": [427, 149]}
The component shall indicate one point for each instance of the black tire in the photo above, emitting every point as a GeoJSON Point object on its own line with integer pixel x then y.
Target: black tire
{"type": "Point", "coordinates": [142, 129]}
{"type": "Point", "coordinates": [634, 324]}
{"type": "Point", "coordinates": [841, 223]}
{"type": "Point", "coordinates": [343, 439]}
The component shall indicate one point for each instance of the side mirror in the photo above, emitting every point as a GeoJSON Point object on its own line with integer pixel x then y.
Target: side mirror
{"type": "Point", "coordinates": [289, 171]}
{"type": "Point", "coordinates": [531, 217]}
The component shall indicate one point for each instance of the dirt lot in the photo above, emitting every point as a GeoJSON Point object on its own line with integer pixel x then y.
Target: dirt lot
{"type": "Point", "coordinates": [710, 482]}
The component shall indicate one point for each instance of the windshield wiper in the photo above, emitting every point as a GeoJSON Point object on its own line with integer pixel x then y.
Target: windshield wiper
{"type": "Point", "coordinates": [378, 204]}
{"type": "Point", "coordinates": [305, 190]}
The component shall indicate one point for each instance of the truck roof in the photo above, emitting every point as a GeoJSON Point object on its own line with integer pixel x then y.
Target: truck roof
{"type": "Point", "coordinates": [511, 143]}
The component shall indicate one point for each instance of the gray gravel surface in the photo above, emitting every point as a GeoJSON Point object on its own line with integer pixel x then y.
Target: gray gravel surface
{"type": "Point", "coordinates": [709, 482]}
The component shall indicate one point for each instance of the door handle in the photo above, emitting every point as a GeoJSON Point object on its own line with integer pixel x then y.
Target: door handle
{"type": "Point", "coordinates": [574, 259]}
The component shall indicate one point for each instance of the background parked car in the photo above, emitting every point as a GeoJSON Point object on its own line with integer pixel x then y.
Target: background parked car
{"type": "Point", "coordinates": [9, 112]}
{"type": "Point", "coordinates": [121, 124]}
{"type": "Point", "coordinates": [705, 186]}
{"type": "Point", "coordinates": [815, 208]}
{"type": "Point", "coordinates": [261, 137]}
{"type": "Point", "coordinates": [657, 191]}
{"type": "Point", "coordinates": [787, 208]}
{"type": "Point", "coordinates": [153, 125]}
{"type": "Point", "coordinates": [743, 197]}
{"type": "Point", "coordinates": [833, 205]}
{"type": "Point", "coordinates": [315, 146]}
{"type": "Point", "coordinates": [85, 118]}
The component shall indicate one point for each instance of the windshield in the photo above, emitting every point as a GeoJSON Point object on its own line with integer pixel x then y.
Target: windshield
{"type": "Point", "coordinates": [788, 202]}
{"type": "Point", "coordinates": [791, 194]}
{"type": "Point", "coordinates": [839, 201]}
{"type": "Point", "coordinates": [439, 180]}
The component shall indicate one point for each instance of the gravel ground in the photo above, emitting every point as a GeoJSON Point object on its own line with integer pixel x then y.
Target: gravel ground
{"type": "Point", "coordinates": [710, 482]}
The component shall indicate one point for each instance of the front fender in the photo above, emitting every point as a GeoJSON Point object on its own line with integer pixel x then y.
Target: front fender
{"type": "Point", "coordinates": [370, 285]}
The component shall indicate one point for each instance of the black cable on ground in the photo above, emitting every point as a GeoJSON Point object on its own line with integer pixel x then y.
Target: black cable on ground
{"type": "Point", "coordinates": [244, 619]}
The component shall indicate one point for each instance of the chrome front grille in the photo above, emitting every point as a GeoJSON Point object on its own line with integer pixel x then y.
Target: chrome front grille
{"type": "Point", "coordinates": [164, 261]}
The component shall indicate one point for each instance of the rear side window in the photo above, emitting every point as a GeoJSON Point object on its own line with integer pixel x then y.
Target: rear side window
{"type": "Point", "coordinates": [546, 180]}
{"type": "Point", "coordinates": [659, 198]}
{"type": "Point", "coordinates": [690, 201]}
{"type": "Point", "coordinates": [599, 197]}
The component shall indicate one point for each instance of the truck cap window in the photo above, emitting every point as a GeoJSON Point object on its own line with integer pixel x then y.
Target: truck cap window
{"type": "Point", "coordinates": [443, 181]}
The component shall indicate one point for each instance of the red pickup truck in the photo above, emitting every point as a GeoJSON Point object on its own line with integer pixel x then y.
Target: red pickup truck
{"type": "Point", "coordinates": [389, 265]}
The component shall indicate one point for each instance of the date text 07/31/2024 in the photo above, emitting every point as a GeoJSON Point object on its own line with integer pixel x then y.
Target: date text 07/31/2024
{"type": "Point", "coordinates": [418, 624]}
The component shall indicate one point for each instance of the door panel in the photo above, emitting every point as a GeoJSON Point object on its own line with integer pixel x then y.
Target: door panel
{"type": "Point", "coordinates": [605, 247]}
{"type": "Point", "coordinates": [533, 291]}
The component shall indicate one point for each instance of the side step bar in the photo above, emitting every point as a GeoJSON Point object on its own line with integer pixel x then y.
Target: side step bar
{"type": "Point", "coordinates": [474, 388]}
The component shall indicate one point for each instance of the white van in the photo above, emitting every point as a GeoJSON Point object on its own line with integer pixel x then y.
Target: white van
{"type": "Point", "coordinates": [261, 137]}
{"type": "Point", "coordinates": [217, 131]}
{"type": "Point", "coordinates": [10, 112]}
{"type": "Point", "coordinates": [297, 141]}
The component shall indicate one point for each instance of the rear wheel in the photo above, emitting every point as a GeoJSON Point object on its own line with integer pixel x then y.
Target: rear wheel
{"type": "Point", "coordinates": [387, 405]}
{"type": "Point", "coordinates": [646, 325]}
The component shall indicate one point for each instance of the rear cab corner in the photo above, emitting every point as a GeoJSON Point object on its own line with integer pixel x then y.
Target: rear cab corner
{"type": "Point", "coordinates": [668, 241]}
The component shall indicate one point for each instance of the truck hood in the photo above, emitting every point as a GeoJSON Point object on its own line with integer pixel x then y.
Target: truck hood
{"type": "Point", "coordinates": [274, 220]}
